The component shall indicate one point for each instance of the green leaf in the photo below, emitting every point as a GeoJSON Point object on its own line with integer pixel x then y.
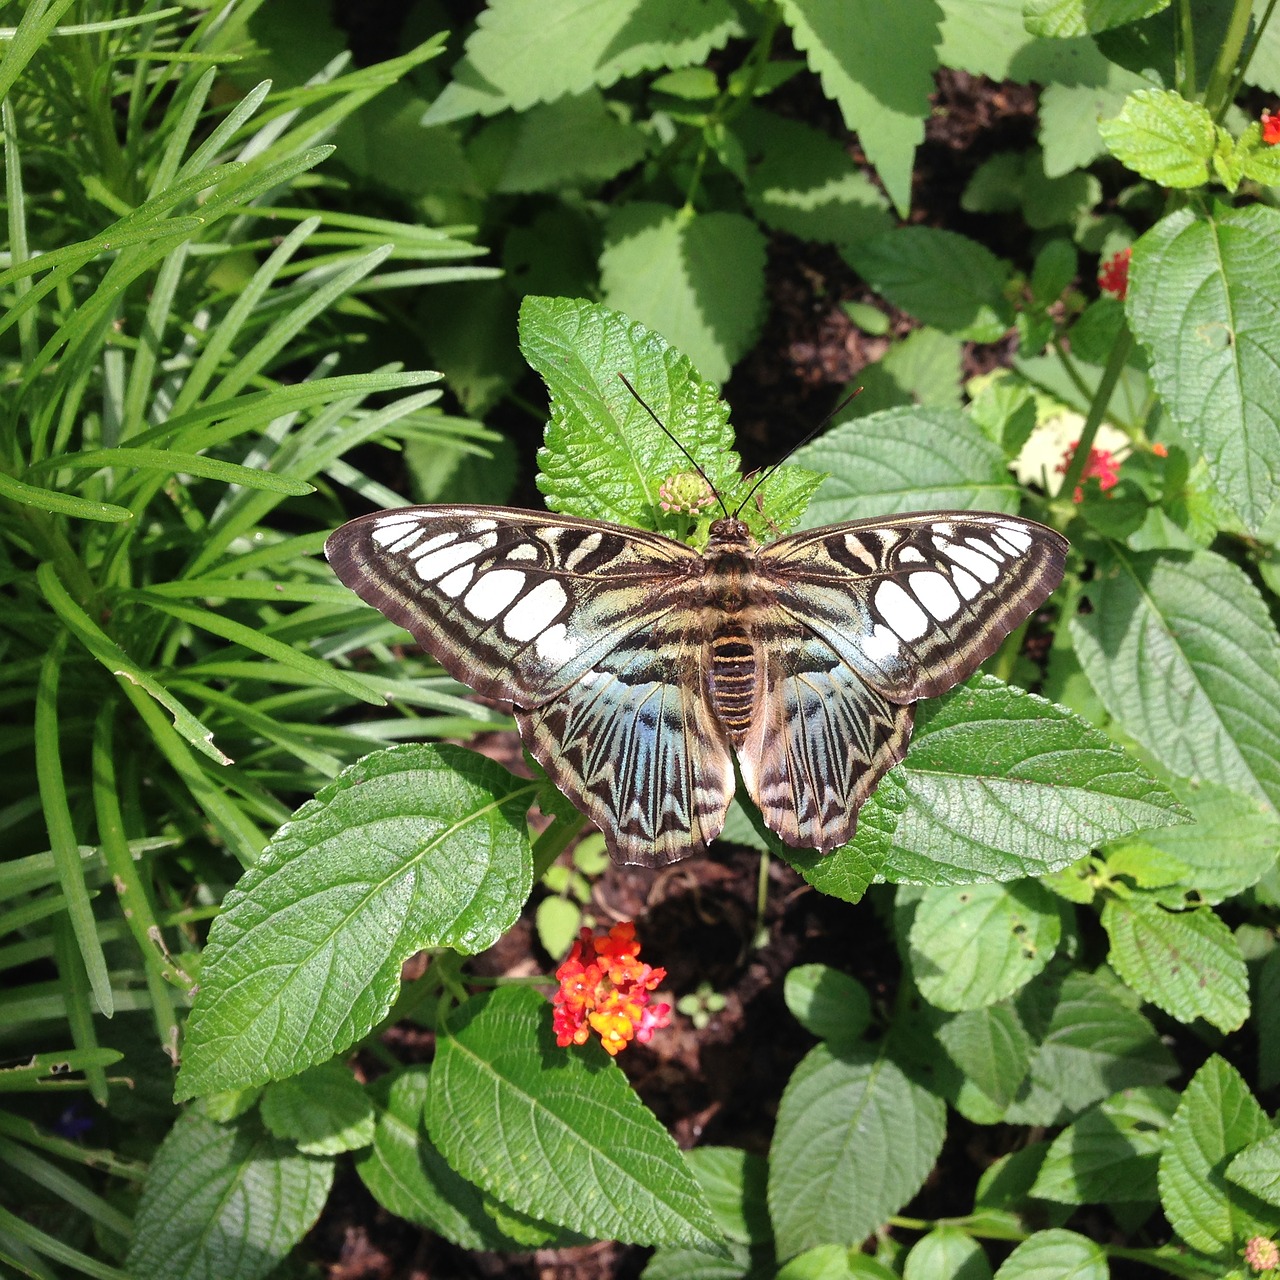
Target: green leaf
{"type": "Point", "coordinates": [604, 456]}
{"type": "Point", "coordinates": [557, 1132]}
{"type": "Point", "coordinates": [61, 504]}
{"type": "Point", "coordinates": [1070, 112]}
{"type": "Point", "coordinates": [1182, 652]}
{"type": "Point", "coordinates": [575, 140]}
{"type": "Point", "coordinates": [323, 1111]}
{"type": "Point", "coordinates": [854, 1141]}
{"type": "Point", "coordinates": [886, 99]}
{"type": "Point", "coordinates": [801, 181]}
{"type": "Point", "coordinates": [172, 462]}
{"type": "Point", "coordinates": [407, 1175]}
{"type": "Point", "coordinates": [225, 1201]}
{"type": "Point", "coordinates": [971, 946]}
{"type": "Point", "coordinates": [942, 278]}
{"type": "Point", "coordinates": [1109, 1155]}
{"type": "Point", "coordinates": [1090, 1043]}
{"type": "Point", "coordinates": [1203, 296]}
{"type": "Point", "coordinates": [736, 1187]}
{"type": "Point", "coordinates": [848, 872]}
{"type": "Point", "coordinates": [1162, 136]}
{"type": "Point", "coordinates": [1055, 1254]}
{"type": "Point", "coordinates": [1059, 19]}
{"type": "Point", "coordinates": [828, 1003]}
{"type": "Point", "coordinates": [1186, 962]}
{"type": "Point", "coordinates": [924, 368]}
{"type": "Point", "coordinates": [520, 54]}
{"type": "Point", "coordinates": [991, 1050]}
{"type": "Point", "coordinates": [946, 1253]}
{"type": "Point", "coordinates": [1002, 784]}
{"type": "Point", "coordinates": [1257, 1169]}
{"type": "Point", "coordinates": [906, 460]}
{"type": "Point", "coordinates": [697, 278]}
{"type": "Point", "coordinates": [416, 846]}
{"type": "Point", "coordinates": [1217, 1117]}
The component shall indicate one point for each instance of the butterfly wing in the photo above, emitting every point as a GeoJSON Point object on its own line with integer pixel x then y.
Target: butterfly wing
{"type": "Point", "coordinates": [585, 629]}
{"type": "Point", "coordinates": [864, 619]}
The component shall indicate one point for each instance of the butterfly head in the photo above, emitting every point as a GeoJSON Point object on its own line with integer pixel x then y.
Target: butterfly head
{"type": "Point", "coordinates": [729, 532]}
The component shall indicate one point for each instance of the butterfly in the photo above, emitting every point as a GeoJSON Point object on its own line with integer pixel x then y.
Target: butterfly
{"type": "Point", "coordinates": [638, 667]}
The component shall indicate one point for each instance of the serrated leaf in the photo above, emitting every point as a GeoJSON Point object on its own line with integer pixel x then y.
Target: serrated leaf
{"type": "Point", "coordinates": [1109, 1155]}
{"type": "Point", "coordinates": [736, 1186]}
{"type": "Point", "coordinates": [1058, 19]}
{"type": "Point", "coordinates": [848, 872]}
{"type": "Point", "coordinates": [604, 457]}
{"type": "Point", "coordinates": [940, 277]}
{"type": "Point", "coordinates": [828, 1003]}
{"type": "Point", "coordinates": [558, 1133]}
{"type": "Point", "coordinates": [909, 459]}
{"type": "Point", "coordinates": [416, 846]}
{"type": "Point", "coordinates": [520, 54]}
{"type": "Point", "coordinates": [1185, 962]}
{"type": "Point", "coordinates": [1217, 1117]}
{"type": "Point", "coordinates": [946, 1252]}
{"type": "Point", "coordinates": [801, 182]}
{"type": "Point", "coordinates": [1204, 291]}
{"type": "Point", "coordinates": [1070, 111]}
{"type": "Point", "coordinates": [1002, 784]}
{"type": "Point", "coordinates": [323, 1111]}
{"type": "Point", "coordinates": [1257, 1169]}
{"type": "Point", "coordinates": [971, 946]}
{"type": "Point", "coordinates": [1182, 651]}
{"type": "Point", "coordinates": [885, 98]}
{"type": "Point", "coordinates": [223, 1202]}
{"type": "Point", "coordinates": [407, 1175]}
{"type": "Point", "coordinates": [991, 1050]}
{"type": "Point", "coordinates": [1055, 1254]}
{"type": "Point", "coordinates": [924, 368]}
{"type": "Point", "coordinates": [698, 279]}
{"type": "Point", "coordinates": [1090, 1043]}
{"type": "Point", "coordinates": [854, 1141]}
{"type": "Point", "coordinates": [1163, 137]}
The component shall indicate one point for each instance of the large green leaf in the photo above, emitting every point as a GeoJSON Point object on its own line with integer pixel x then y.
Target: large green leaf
{"type": "Point", "coordinates": [1183, 653]}
{"type": "Point", "coordinates": [1204, 291]}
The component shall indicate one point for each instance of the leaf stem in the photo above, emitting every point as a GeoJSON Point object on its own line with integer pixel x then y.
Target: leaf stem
{"type": "Point", "coordinates": [1097, 411]}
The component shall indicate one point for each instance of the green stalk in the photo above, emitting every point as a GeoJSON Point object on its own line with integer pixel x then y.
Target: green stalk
{"type": "Point", "coordinates": [1097, 411]}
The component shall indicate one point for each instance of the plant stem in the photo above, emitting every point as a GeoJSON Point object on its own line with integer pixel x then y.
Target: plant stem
{"type": "Point", "coordinates": [1097, 411]}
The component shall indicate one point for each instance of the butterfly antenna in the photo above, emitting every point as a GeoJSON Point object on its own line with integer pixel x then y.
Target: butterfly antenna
{"type": "Point", "coordinates": [706, 478]}
{"type": "Point", "coordinates": [795, 448]}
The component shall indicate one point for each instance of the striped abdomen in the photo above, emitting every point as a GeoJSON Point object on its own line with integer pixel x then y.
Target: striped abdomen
{"type": "Point", "coordinates": [733, 679]}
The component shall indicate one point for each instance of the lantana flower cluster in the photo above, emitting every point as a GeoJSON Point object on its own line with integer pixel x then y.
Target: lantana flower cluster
{"type": "Point", "coordinates": [605, 988]}
{"type": "Point", "coordinates": [685, 492]}
{"type": "Point", "coordinates": [1103, 466]}
{"type": "Point", "coordinates": [1113, 275]}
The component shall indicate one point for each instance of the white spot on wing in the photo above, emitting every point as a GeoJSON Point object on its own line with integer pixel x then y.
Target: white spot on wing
{"type": "Point", "coordinates": [440, 562]}
{"type": "Point", "coordinates": [857, 548]}
{"type": "Point", "coordinates": [881, 647]}
{"type": "Point", "coordinates": [555, 648]}
{"type": "Point", "coordinates": [985, 548]}
{"type": "Point", "coordinates": [389, 528]}
{"type": "Point", "coordinates": [935, 593]}
{"type": "Point", "coordinates": [900, 611]}
{"type": "Point", "coordinates": [582, 551]}
{"type": "Point", "coordinates": [483, 526]}
{"type": "Point", "coordinates": [440, 540]}
{"type": "Point", "coordinates": [968, 584]}
{"type": "Point", "coordinates": [492, 592]}
{"type": "Point", "coordinates": [981, 566]}
{"type": "Point", "coordinates": [536, 611]}
{"type": "Point", "coordinates": [456, 583]}
{"type": "Point", "coordinates": [911, 555]}
{"type": "Point", "coordinates": [401, 545]}
{"type": "Point", "coordinates": [1017, 535]}
{"type": "Point", "coordinates": [523, 551]}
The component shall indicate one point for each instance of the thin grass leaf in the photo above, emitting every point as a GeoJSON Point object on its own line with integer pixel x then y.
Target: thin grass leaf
{"type": "Point", "coordinates": [174, 462]}
{"type": "Point", "coordinates": [73, 979]}
{"type": "Point", "coordinates": [107, 652]}
{"type": "Point", "coordinates": [62, 504]}
{"type": "Point", "coordinates": [19, 250]}
{"type": "Point", "coordinates": [75, 1194]}
{"type": "Point", "coordinates": [57, 813]}
{"type": "Point", "coordinates": [23, 1232]}
{"type": "Point", "coordinates": [22, 41]}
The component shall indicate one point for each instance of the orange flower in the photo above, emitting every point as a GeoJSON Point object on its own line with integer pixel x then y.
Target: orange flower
{"type": "Point", "coordinates": [1160, 450]}
{"type": "Point", "coordinates": [1103, 466]}
{"type": "Point", "coordinates": [1270, 128]}
{"type": "Point", "coordinates": [605, 988]}
{"type": "Point", "coordinates": [1113, 275]}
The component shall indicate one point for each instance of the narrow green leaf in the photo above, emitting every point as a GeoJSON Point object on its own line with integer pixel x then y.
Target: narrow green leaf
{"type": "Point", "coordinates": [1186, 962]}
{"type": "Point", "coordinates": [907, 459]}
{"type": "Point", "coordinates": [698, 279]}
{"type": "Point", "coordinates": [971, 946]}
{"type": "Point", "coordinates": [854, 1141]}
{"type": "Point", "coordinates": [603, 455]}
{"type": "Point", "coordinates": [416, 846]}
{"type": "Point", "coordinates": [61, 829]}
{"type": "Point", "coordinates": [942, 278]}
{"type": "Point", "coordinates": [224, 1200]}
{"type": "Point", "coordinates": [1217, 1117]}
{"type": "Point", "coordinates": [1162, 136]}
{"type": "Point", "coordinates": [1002, 784]}
{"type": "Point", "coordinates": [1183, 653]}
{"type": "Point", "coordinates": [407, 1175]}
{"type": "Point", "coordinates": [176, 463]}
{"type": "Point", "coordinates": [1204, 291]}
{"type": "Point", "coordinates": [1110, 1154]}
{"type": "Point", "coordinates": [44, 1070]}
{"type": "Point", "coordinates": [558, 1132]}
{"type": "Point", "coordinates": [61, 504]}
{"type": "Point", "coordinates": [886, 99]}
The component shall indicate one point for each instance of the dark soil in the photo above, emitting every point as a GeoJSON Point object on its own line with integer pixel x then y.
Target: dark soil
{"type": "Point", "coordinates": [722, 1084]}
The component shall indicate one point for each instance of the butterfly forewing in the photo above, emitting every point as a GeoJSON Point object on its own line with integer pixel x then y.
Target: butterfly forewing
{"type": "Point", "coordinates": [636, 665]}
